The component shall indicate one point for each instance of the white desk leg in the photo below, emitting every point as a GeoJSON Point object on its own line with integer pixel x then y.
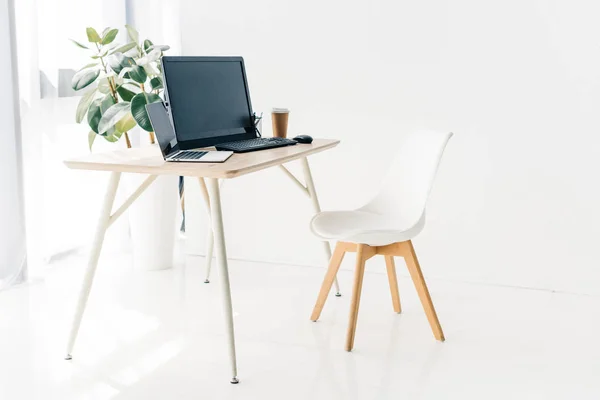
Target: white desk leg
{"type": "Point", "coordinates": [210, 242]}
{"type": "Point", "coordinates": [310, 185]}
{"type": "Point", "coordinates": [217, 223]}
{"type": "Point", "coordinates": [88, 277]}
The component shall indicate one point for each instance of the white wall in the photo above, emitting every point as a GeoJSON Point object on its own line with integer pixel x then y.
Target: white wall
{"type": "Point", "coordinates": [518, 82]}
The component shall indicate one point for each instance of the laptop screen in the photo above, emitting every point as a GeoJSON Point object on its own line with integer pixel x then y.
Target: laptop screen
{"type": "Point", "coordinates": [208, 99]}
{"type": "Point", "coordinates": [162, 127]}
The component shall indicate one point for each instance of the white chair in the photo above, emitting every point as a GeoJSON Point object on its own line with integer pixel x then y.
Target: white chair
{"type": "Point", "coordinates": [386, 226]}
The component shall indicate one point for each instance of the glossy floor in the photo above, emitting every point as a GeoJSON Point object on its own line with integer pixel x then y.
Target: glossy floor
{"type": "Point", "coordinates": [160, 335]}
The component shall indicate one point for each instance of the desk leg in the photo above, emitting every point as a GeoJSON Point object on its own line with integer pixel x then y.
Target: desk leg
{"type": "Point", "coordinates": [310, 185]}
{"type": "Point", "coordinates": [210, 242]}
{"type": "Point", "coordinates": [217, 223]}
{"type": "Point", "coordinates": [88, 277]}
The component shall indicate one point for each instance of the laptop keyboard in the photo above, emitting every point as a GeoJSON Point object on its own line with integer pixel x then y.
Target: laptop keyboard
{"type": "Point", "coordinates": [189, 155]}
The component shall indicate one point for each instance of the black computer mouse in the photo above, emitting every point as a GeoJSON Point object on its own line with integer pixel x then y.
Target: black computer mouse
{"type": "Point", "coordinates": [303, 139]}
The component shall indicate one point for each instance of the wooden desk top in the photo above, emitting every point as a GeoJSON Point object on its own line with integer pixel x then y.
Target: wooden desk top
{"type": "Point", "coordinates": [148, 160]}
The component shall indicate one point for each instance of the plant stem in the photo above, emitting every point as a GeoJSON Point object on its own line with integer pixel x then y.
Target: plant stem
{"type": "Point", "coordinates": [127, 140]}
{"type": "Point", "coordinates": [113, 92]}
{"type": "Point", "coordinates": [112, 87]}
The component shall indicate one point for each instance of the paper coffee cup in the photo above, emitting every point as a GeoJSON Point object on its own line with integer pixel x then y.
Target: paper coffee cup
{"type": "Point", "coordinates": [279, 118]}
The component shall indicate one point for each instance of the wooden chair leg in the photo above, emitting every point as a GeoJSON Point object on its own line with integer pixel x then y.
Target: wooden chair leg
{"type": "Point", "coordinates": [359, 274]}
{"type": "Point", "coordinates": [334, 266]}
{"type": "Point", "coordinates": [417, 276]}
{"type": "Point", "coordinates": [392, 278]}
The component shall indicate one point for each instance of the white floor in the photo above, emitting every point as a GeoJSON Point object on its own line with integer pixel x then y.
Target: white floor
{"type": "Point", "coordinates": [159, 335]}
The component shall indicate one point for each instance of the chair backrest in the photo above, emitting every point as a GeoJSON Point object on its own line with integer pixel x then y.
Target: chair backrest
{"type": "Point", "coordinates": [405, 189]}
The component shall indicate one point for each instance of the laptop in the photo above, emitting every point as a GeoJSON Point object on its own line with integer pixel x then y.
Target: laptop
{"type": "Point", "coordinates": [167, 140]}
{"type": "Point", "coordinates": [208, 99]}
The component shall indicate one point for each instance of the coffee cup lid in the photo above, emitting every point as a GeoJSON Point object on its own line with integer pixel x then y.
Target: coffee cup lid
{"type": "Point", "coordinates": [280, 110]}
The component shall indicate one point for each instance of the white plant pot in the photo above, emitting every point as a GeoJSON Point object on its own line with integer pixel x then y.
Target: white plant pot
{"type": "Point", "coordinates": [152, 219]}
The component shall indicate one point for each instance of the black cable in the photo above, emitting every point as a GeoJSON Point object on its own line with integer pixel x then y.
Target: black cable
{"type": "Point", "coordinates": [255, 121]}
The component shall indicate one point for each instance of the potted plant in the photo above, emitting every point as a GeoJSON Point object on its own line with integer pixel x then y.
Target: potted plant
{"type": "Point", "coordinates": [121, 80]}
{"type": "Point", "coordinates": [126, 77]}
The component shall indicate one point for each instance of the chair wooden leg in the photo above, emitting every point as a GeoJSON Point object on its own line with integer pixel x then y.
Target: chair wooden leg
{"type": "Point", "coordinates": [334, 266]}
{"type": "Point", "coordinates": [359, 274]}
{"type": "Point", "coordinates": [391, 273]}
{"type": "Point", "coordinates": [417, 276]}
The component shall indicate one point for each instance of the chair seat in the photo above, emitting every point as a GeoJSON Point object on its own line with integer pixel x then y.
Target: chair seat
{"type": "Point", "coordinates": [364, 227]}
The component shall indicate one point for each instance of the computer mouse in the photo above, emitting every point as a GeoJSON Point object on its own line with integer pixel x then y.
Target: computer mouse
{"type": "Point", "coordinates": [303, 139]}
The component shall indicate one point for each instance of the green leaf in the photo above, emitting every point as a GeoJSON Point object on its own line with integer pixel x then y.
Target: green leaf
{"type": "Point", "coordinates": [92, 35]}
{"type": "Point", "coordinates": [156, 83]}
{"type": "Point", "coordinates": [109, 36]}
{"type": "Point", "coordinates": [97, 108]}
{"type": "Point", "coordinates": [103, 86]}
{"type": "Point", "coordinates": [134, 86]}
{"type": "Point", "coordinates": [150, 70]}
{"type": "Point", "coordinates": [113, 115]}
{"type": "Point", "coordinates": [125, 93]}
{"type": "Point", "coordinates": [91, 138]}
{"type": "Point", "coordinates": [84, 78]}
{"type": "Point", "coordinates": [161, 47]}
{"type": "Point", "coordinates": [118, 61]}
{"type": "Point", "coordinates": [147, 45]}
{"type": "Point", "coordinates": [125, 48]}
{"type": "Point", "coordinates": [79, 44]}
{"type": "Point", "coordinates": [126, 123]}
{"type": "Point", "coordinates": [133, 34]}
{"type": "Point", "coordinates": [113, 136]}
{"type": "Point", "coordinates": [107, 101]}
{"type": "Point", "coordinates": [124, 71]}
{"type": "Point", "coordinates": [138, 109]}
{"type": "Point", "coordinates": [90, 65]}
{"type": "Point", "coordinates": [154, 55]}
{"type": "Point", "coordinates": [94, 114]}
{"type": "Point", "coordinates": [84, 104]}
{"type": "Point", "coordinates": [138, 74]}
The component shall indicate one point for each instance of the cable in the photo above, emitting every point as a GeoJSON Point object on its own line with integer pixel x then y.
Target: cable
{"type": "Point", "coordinates": [256, 121]}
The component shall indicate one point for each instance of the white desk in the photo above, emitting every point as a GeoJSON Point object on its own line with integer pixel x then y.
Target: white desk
{"type": "Point", "coordinates": [148, 160]}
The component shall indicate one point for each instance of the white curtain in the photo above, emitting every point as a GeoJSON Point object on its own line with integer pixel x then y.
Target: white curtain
{"type": "Point", "coordinates": [61, 204]}
{"type": "Point", "coordinates": [13, 259]}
